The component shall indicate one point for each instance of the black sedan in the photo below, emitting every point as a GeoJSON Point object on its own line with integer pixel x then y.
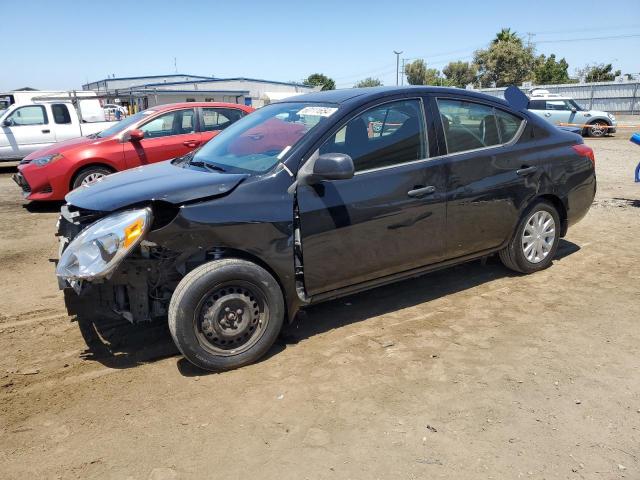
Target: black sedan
{"type": "Point", "coordinates": [318, 197]}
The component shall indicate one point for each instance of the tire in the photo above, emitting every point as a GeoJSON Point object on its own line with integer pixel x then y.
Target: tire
{"type": "Point", "coordinates": [208, 316]}
{"type": "Point", "coordinates": [598, 129]}
{"type": "Point", "coordinates": [519, 255]}
{"type": "Point", "coordinates": [84, 176]}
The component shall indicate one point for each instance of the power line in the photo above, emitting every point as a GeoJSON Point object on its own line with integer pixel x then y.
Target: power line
{"type": "Point", "coordinates": [583, 29]}
{"type": "Point", "coordinates": [586, 39]}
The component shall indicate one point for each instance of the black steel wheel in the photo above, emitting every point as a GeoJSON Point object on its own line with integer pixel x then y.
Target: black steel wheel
{"type": "Point", "coordinates": [226, 314]}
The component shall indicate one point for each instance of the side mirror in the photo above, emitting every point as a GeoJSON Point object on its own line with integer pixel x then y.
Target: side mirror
{"type": "Point", "coordinates": [328, 166]}
{"type": "Point", "coordinates": [7, 123]}
{"type": "Point", "coordinates": [574, 109]}
{"type": "Point", "coordinates": [136, 135]}
{"type": "Point", "coordinates": [333, 166]}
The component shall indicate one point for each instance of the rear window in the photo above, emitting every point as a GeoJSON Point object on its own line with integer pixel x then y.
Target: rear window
{"type": "Point", "coordinates": [471, 126]}
{"type": "Point", "coordinates": [61, 114]}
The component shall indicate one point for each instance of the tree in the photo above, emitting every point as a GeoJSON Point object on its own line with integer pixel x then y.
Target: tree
{"type": "Point", "coordinates": [368, 82]}
{"type": "Point", "coordinates": [506, 35]}
{"type": "Point", "coordinates": [598, 73]}
{"type": "Point", "coordinates": [460, 74]}
{"type": "Point", "coordinates": [506, 62]}
{"type": "Point", "coordinates": [548, 70]}
{"type": "Point", "coordinates": [320, 80]}
{"type": "Point", "coordinates": [418, 74]}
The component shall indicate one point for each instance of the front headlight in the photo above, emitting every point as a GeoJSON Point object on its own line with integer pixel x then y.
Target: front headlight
{"type": "Point", "coordinates": [47, 159]}
{"type": "Point", "coordinates": [100, 248]}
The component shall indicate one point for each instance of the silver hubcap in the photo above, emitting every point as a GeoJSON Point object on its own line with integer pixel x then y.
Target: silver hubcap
{"type": "Point", "coordinates": [598, 130]}
{"type": "Point", "coordinates": [538, 236]}
{"type": "Point", "coordinates": [92, 177]}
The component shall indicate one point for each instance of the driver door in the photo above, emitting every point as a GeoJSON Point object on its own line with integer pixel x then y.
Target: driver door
{"type": "Point", "coordinates": [166, 136]}
{"type": "Point", "coordinates": [388, 218]}
{"type": "Point", "coordinates": [28, 130]}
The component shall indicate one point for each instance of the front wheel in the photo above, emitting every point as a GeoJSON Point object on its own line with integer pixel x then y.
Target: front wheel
{"type": "Point", "coordinates": [598, 129]}
{"type": "Point", "coordinates": [535, 241]}
{"type": "Point", "coordinates": [89, 175]}
{"type": "Point", "coordinates": [226, 314]}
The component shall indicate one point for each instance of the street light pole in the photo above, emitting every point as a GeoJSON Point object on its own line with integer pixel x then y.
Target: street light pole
{"type": "Point", "coordinates": [397, 66]}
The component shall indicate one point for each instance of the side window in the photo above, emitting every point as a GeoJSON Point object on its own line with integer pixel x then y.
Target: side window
{"type": "Point", "coordinates": [60, 114]}
{"type": "Point", "coordinates": [388, 134]}
{"type": "Point", "coordinates": [508, 125]}
{"type": "Point", "coordinates": [30, 115]}
{"type": "Point", "coordinates": [557, 105]}
{"type": "Point", "coordinates": [470, 125]}
{"type": "Point", "coordinates": [219, 118]}
{"type": "Point", "coordinates": [537, 105]}
{"type": "Point", "coordinates": [178, 122]}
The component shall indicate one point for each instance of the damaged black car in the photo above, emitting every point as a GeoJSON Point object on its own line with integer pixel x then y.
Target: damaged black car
{"type": "Point", "coordinates": [314, 198]}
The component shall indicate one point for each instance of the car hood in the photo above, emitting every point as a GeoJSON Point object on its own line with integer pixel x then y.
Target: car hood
{"type": "Point", "coordinates": [163, 181]}
{"type": "Point", "coordinates": [64, 146]}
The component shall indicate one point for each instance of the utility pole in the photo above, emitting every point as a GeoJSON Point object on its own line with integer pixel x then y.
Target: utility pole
{"type": "Point", "coordinates": [404, 61]}
{"type": "Point", "coordinates": [397, 66]}
{"type": "Point", "coordinates": [529, 35]}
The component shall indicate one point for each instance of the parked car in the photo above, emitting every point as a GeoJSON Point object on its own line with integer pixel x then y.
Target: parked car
{"type": "Point", "coordinates": [153, 135]}
{"type": "Point", "coordinates": [232, 241]}
{"type": "Point", "coordinates": [114, 112]}
{"type": "Point", "coordinates": [565, 110]}
{"type": "Point", "coordinates": [26, 128]}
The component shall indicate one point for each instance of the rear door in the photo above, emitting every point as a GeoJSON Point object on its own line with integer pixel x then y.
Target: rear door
{"type": "Point", "coordinates": [26, 130]}
{"type": "Point", "coordinates": [215, 119]}
{"type": "Point", "coordinates": [64, 126]}
{"type": "Point", "coordinates": [166, 136]}
{"type": "Point", "coordinates": [489, 174]}
{"type": "Point", "coordinates": [388, 218]}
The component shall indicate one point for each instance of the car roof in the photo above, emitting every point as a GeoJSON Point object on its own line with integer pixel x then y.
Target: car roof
{"type": "Point", "coordinates": [172, 106]}
{"type": "Point", "coordinates": [362, 95]}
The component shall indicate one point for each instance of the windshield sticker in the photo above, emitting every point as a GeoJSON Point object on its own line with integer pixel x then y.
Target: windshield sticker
{"type": "Point", "coordinates": [318, 111]}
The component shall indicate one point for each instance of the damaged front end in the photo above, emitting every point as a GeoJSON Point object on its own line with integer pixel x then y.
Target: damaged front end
{"type": "Point", "coordinates": [106, 268]}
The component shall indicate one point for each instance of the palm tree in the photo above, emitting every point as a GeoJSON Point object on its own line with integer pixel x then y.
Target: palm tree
{"type": "Point", "coordinates": [506, 35]}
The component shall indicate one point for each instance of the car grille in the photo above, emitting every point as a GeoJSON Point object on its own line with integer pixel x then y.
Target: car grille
{"type": "Point", "coordinates": [47, 189]}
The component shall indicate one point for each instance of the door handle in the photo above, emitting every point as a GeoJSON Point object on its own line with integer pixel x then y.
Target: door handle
{"type": "Point", "coordinates": [191, 143]}
{"type": "Point", "coordinates": [526, 171]}
{"type": "Point", "coordinates": [547, 114]}
{"type": "Point", "coordinates": [46, 131]}
{"type": "Point", "coordinates": [421, 191]}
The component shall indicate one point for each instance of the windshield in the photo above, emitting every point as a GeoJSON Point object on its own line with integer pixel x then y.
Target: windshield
{"type": "Point", "coordinates": [124, 124]}
{"type": "Point", "coordinates": [258, 141]}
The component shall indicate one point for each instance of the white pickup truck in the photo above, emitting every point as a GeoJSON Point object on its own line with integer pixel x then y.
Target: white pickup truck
{"type": "Point", "coordinates": [25, 128]}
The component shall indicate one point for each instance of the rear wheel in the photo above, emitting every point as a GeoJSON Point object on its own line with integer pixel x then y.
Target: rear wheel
{"type": "Point", "coordinates": [535, 241]}
{"type": "Point", "coordinates": [226, 314]}
{"type": "Point", "coordinates": [598, 129]}
{"type": "Point", "coordinates": [90, 175]}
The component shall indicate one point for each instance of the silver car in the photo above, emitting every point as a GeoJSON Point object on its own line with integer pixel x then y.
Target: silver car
{"type": "Point", "coordinates": [561, 110]}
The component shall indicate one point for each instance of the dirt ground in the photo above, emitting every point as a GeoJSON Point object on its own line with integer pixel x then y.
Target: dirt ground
{"type": "Point", "coordinates": [470, 372]}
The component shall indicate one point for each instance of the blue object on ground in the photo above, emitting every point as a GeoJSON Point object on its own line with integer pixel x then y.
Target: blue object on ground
{"type": "Point", "coordinates": [635, 138]}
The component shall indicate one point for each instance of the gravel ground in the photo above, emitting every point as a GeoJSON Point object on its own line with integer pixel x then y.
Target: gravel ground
{"type": "Point", "coordinates": [471, 372]}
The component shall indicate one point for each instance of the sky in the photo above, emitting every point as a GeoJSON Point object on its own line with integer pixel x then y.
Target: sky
{"type": "Point", "coordinates": [61, 44]}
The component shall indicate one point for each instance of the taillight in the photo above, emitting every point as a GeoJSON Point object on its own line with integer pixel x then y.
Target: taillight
{"type": "Point", "coordinates": [585, 151]}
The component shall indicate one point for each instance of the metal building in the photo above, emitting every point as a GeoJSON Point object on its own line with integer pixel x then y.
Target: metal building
{"type": "Point", "coordinates": [143, 92]}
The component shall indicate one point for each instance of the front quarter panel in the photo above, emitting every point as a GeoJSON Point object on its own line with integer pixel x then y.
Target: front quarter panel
{"type": "Point", "coordinates": [255, 221]}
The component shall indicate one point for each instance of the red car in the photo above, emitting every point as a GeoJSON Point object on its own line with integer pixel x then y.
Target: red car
{"type": "Point", "coordinates": [156, 134]}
